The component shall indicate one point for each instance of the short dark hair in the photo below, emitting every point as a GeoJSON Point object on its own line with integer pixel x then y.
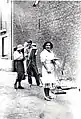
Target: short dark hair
{"type": "Point", "coordinates": [29, 41]}
{"type": "Point", "coordinates": [44, 45]}
{"type": "Point", "coordinates": [15, 48]}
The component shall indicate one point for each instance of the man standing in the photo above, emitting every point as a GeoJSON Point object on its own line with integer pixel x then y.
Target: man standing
{"type": "Point", "coordinates": [31, 63]}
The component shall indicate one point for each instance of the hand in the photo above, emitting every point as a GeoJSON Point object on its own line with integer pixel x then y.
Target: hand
{"type": "Point", "coordinates": [49, 72]}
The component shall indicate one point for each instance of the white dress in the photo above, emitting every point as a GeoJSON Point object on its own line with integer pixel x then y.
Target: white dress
{"type": "Point", "coordinates": [46, 57]}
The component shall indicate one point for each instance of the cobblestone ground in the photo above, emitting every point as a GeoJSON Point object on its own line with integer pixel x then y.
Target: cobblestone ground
{"type": "Point", "coordinates": [29, 102]}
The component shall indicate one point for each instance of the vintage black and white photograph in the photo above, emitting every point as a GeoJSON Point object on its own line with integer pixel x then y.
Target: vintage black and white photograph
{"type": "Point", "coordinates": [40, 59]}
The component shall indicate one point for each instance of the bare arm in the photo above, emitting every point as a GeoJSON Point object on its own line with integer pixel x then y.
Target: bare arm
{"type": "Point", "coordinates": [43, 63]}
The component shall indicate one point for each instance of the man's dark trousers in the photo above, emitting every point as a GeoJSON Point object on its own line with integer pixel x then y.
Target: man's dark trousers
{"type": "Point", "coordinates": [33, 69]}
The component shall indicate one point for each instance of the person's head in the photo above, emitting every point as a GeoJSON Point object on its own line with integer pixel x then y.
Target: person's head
{"type": "Point", "coordinates": [29, 43]}
{"type": "Point", "coordinates": [25, 44]}
{"type": "Point", "coordinates": [47, 45]}
{"type": "Point", "coordinates": [19, 47]}
{"type": "Point", "coordinates": [34, 46]}
{"type": "Point", "coordinates": [15, 48]}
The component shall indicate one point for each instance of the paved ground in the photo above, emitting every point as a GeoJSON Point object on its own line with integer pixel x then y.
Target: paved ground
{"type": "Point", "coordinates": [30, 104]}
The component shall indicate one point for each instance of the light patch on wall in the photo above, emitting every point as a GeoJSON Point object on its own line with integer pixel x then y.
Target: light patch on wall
{"type": "Point", "coordinates": [5, 8]}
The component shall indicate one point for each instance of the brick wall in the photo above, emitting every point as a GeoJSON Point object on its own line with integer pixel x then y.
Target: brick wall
{"type": "Point", "coordinates": [58, 21]}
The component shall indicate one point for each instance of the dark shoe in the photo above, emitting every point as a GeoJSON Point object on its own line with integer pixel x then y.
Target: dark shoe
{"type": "Point", "coordinates": [47, 98]}
{"type": "Point", "coordinates": [20, 87]}
{"type": "Point", "coordinates": [50, 97]}
{"type": "Point", "coordinates": [34, 5]}
{"type": "Point", "coordinates": [60, 92]}
{"type": "Point", "coordinates": [59, 87]}
{"type": "Point", "coordinates": [15, 86]}
{"type": "Point", "coordinates": [30, 85]}
{"type": "Point", "coordinates": [38, 84]}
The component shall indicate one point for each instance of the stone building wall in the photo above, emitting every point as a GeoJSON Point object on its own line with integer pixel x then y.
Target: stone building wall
{"type": "Point", "coordinates": [5, 47]}
{"type": "Point", "coordinates": [57, 21]}
{"type": "Point", "coordinates": [5, 23]}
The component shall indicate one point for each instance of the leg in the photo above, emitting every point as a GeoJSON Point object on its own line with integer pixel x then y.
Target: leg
{"type": "Point", "coordinates": [36, 75]}
{"type": "Point", "coordinates": [29, 79]}
{"type": "Point", "coordinates": [20, 75]}
{"type": "Point", "coordinates": [46, 91]}
{"type": "Point", "coordinates": [15, 85]}
{"type": "Point", "coordinates": [25, 66]}
{"type": "Point", "coordinates": [20, 87]}
{"type": "Point", "coordinates": [29, 75]}
{"type": "Point", "coordinates": [46, 94]}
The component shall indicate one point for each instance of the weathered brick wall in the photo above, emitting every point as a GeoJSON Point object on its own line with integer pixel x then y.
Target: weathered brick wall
{"type": "Point", "coordinates": [58, 21]}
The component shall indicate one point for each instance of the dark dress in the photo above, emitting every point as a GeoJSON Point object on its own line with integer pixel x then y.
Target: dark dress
{"type": "Point", "coordinates": [19, 68]}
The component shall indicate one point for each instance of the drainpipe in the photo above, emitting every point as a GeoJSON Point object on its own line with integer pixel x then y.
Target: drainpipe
{"type": "Point", "coordinates": [11, 29]}
{"type": "Point", "coordinates": [0, 20]}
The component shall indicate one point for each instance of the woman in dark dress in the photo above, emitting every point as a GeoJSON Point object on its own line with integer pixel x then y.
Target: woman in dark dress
{"type": "Point", "coordinates": [19, 66]}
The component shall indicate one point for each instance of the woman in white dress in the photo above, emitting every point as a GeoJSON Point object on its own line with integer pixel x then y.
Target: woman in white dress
{"type": "Point", "coordinates": [48, 61]}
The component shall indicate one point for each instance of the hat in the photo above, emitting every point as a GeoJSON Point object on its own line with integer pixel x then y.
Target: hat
{"type": "Point", "coordinates": [19, 47]}
{"type": "Point", "coordinates": [25, 44]}
{"type": "Point", "coordinates": [29, 41]}
{"type": "Point", "coordinates": [34, 44]}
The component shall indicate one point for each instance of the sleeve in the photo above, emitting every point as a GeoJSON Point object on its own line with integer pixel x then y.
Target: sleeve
{"type": "Point", "coordinates": [57, 62]}
{"type": "Point", "coordinates": [15, 55]}
{"type": "Point", "coordinates": [18, 56]}
{"type": "Point", "coordinates": [25, 53]}
{"type": "Point", "coordinates": [42, 57]}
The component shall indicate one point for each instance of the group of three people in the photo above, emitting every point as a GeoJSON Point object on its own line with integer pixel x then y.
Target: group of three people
{"type": "Point", "coordinates": [26, 55]}
{"type": "Point", "coordinates": [48, 62]}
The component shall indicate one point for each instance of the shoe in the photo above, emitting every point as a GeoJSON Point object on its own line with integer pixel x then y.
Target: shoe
{"type": "Point", "coordinates": [60, 92]}
{"type": "Point", "coordinates": [59, 87]}
{"type": "Point", "coordinates": [50, 97]}
{"type": "Point", "coordinates": [47, 98]}
{"type": "Point", "coordinates": [34, 5]}
{"type": "Point", "coordinates": [53, 96]}
{"type": "Point", "coordinates": [15, 86]}
{"type": "Point", "coordinates": [20, 87]}
{"type": "Point", "coordinates": [38, 84]}
{"type": "Point", "coordinates": [30, 85]}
